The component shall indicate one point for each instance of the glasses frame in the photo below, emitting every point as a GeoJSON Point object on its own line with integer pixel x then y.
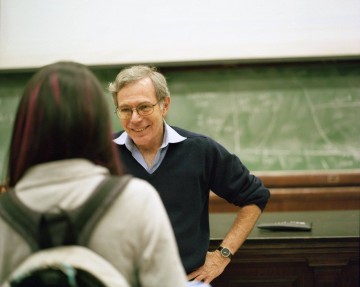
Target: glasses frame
{"type": "Point", "coordinates": [117, 111]}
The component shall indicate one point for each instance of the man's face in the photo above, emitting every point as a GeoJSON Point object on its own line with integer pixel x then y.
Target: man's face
{"type": "Point", "coordinates": [145, 131]}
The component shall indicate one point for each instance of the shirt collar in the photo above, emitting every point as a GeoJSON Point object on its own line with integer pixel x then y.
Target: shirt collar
{"type": "Point", "coordinates": [170, 136]}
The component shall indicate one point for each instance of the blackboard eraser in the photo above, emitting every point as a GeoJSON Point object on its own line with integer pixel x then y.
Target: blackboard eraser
{"type": "Point", "coordinates": [286, 226]}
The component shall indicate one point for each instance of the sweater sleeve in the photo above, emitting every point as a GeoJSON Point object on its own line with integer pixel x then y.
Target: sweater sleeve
{"type": "Point", "coordinates": [231, 179]}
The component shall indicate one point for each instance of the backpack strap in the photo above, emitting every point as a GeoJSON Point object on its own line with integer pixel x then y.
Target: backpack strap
{"type": "Point", "coordinates": [30, 223]}
{"type": "Point", "coordinates": [97, 205]}
{"type": "Point", "coordinates": [19, 218]}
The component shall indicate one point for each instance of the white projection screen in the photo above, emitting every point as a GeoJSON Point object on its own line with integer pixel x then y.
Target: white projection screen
{"type": "Point", "coordinates": [117, 32]}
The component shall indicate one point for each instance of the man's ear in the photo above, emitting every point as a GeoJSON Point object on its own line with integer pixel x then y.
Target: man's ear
{"type": "Point", "coordinates": [166, 105]}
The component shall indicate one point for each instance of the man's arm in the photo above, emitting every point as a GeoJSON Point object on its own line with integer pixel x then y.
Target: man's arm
{"type": "Point", "coordinates": [215, 263]}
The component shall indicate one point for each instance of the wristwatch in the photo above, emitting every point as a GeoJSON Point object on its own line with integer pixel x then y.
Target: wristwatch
{"type": "Point", "coordinates": [225, 252]}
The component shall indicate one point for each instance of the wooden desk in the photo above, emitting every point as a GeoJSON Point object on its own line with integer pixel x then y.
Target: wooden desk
{"type": "Point", "coordinates": [326, 256]}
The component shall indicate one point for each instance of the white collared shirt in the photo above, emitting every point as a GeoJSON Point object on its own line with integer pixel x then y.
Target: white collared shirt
{"type": "Point", "coordinates": [170, 136]}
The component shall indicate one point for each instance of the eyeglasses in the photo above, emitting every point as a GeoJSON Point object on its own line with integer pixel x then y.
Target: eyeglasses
{"type": "Point", "coordinates": [143, 109]}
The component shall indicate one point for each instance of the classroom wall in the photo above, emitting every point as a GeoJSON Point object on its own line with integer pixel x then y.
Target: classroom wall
{"type": "Point", "coordinates": [114, 32]}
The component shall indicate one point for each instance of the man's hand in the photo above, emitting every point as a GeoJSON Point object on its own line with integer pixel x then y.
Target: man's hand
{"type": "Point", "coordinates": [239, 231]}
{"type": "Point", "coordinates": [214, 265]}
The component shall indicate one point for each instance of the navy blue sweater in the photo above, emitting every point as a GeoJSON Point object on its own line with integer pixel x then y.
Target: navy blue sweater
{"type": "Point", "coordinates": [189, 170]}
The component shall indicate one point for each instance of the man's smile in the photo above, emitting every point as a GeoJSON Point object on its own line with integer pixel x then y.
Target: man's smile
{"type": "Point", "coordinates": [139, 130]}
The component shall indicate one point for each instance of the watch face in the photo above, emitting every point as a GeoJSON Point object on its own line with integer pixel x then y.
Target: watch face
{"type": "Point", "coordinates": [225, 252]}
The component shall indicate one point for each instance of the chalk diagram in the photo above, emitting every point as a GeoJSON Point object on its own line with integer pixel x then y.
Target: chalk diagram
{"type": "Point", "coordinates": [299, 129]}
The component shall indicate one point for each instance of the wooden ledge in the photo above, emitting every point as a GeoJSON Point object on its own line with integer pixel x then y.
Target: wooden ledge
{"type": "Point", "coordinates": [310, 178]}
{"type": "Point", "coordinates": [300, 199]}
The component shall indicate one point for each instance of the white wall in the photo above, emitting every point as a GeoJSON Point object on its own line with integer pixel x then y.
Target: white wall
{"type": "Point", "coordinates": [110, 32]}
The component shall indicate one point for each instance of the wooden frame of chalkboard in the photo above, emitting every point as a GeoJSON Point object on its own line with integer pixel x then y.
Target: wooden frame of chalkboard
{"type": "Point", "coordinates": [311, 178]}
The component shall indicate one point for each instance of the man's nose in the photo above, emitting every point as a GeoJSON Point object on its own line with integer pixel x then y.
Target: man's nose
{"type": "Point", "coordinates": [135, 115]}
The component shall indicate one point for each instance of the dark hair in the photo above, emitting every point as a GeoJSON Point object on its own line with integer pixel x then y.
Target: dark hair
{"type": "Point", "coordinates": [63, 114]}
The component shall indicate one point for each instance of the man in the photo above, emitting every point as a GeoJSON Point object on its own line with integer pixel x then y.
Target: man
{"type": "Point", "coordinates": [183, 167]}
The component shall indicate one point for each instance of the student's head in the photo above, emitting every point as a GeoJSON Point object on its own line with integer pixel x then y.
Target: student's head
{"type": "Point", "coordinates": [63, 114]}
{"type": "Point", "coordinates": [142, 100]}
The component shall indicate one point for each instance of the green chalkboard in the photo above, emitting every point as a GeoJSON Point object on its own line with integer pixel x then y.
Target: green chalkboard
{"type": "Point", "coordinates": [275, 117]}
{"type": "Point", "coordinates": [11, 86]}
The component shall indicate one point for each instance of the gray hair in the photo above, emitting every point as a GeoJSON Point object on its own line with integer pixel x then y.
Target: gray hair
{"type": "Point", "coordinates": [135, 73]}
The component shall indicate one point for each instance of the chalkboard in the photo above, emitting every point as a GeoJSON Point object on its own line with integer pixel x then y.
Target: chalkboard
{"type": "Point", "coordinates": [11, 87]}
{"type": "Point", "coordinates": [275, 117]}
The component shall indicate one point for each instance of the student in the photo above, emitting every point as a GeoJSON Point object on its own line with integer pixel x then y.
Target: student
{"type": "Point", "coordinates": [61, 149]}
{"type": "Point", "coordinates": [183, 167]}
